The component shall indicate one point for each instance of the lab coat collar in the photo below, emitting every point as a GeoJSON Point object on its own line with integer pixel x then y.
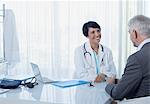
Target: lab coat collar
{"type": "Point", "coordinates": [100, 52]}
{"type": "Point", "coordinates": [88, 46]}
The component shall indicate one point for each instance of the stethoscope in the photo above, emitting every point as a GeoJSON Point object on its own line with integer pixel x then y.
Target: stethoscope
{"type": "Point", "coordinates": [86, 53]}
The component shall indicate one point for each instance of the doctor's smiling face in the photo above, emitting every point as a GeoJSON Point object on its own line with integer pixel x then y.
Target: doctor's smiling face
{"type": "Point", "coordinates": [92, 31]}
{"type": "Point", "coordinates": [94, 35]}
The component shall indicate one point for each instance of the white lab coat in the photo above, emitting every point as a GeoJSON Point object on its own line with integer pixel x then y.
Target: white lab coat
{"type": "Point", "coordinates": [87, 71]}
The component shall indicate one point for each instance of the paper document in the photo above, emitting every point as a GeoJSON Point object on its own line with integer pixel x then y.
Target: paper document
{"type": "Point", "coordinates": [69, 83]}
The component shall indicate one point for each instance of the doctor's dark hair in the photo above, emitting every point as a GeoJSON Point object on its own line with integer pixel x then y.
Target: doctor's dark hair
{"type": "Point", "coordinates": [87, 25]}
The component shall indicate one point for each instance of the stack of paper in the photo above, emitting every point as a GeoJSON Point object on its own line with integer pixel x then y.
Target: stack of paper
{"type": "Point", "coordinates": [69, 83]}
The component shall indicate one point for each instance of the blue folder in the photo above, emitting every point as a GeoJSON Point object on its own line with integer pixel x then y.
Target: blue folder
{"type": "Point", "coordinates": [69, 83]}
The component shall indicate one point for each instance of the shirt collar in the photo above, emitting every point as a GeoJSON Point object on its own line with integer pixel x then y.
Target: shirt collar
{"type": "Point", "coordinates": [142, 44]}
{"type": "Point", "coordinates": [91, 50]}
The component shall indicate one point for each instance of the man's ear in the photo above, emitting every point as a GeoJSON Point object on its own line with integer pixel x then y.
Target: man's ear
{"type": "Point", "coordinates": [136, 34]}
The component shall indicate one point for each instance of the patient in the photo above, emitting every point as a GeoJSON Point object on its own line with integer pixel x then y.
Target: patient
{"type": "Point", "coordinates": [135, 81]}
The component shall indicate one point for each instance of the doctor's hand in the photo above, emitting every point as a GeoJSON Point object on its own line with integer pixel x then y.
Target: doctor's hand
{"type": "Point", "coordinates": [111, 80]}
{"type": "Point", "coordinates": [100, 78]}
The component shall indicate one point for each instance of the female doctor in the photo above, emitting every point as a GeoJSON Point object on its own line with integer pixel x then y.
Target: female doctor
{"type": "Point", "coordinates": [94, 61]}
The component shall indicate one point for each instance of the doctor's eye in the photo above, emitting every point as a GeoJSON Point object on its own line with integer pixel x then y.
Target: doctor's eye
{"type": "Point", "coordinates": [98, 31]}
{"type": "Point", "coordinates": [92, 32]}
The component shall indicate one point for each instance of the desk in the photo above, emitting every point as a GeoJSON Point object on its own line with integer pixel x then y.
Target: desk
{"type": "Point", "coordinates": [18, 101]}
{"type": "Point", "coordinates": [92, 95]}
{"type": "Point", "coordinates": [49, 94]}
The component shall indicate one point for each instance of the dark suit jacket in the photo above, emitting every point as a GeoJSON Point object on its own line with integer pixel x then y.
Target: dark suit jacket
{"type": "Point", "coordinates": [135, 81]}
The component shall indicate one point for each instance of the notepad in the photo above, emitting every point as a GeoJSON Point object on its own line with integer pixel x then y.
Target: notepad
{"type": "Point", "coordinates": [69, 83]}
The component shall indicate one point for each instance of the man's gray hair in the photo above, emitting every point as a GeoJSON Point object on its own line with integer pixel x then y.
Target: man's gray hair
{"type": "Point", "coordinates": [142, 23]}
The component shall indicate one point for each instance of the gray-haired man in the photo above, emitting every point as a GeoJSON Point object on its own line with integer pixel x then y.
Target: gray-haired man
{"type": "Point", "coordinates": [135, 81]}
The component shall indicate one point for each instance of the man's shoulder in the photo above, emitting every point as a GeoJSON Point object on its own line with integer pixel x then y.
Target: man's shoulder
{"type": "Point", "coordinates": [145, 50]}
{"type": "Point", "coordinates": [141, 55]}
{"type": "Point", "coordinates": [134, 56]}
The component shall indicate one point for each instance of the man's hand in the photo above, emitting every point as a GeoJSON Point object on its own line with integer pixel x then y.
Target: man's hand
{"type": "Point", "coordinates": [100, 78]}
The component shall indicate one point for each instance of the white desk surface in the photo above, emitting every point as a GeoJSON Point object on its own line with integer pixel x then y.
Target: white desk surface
{"type": "Point", "coordinates": [49, 94]}
{"type": "Point", "coordinates": [18, 101]}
